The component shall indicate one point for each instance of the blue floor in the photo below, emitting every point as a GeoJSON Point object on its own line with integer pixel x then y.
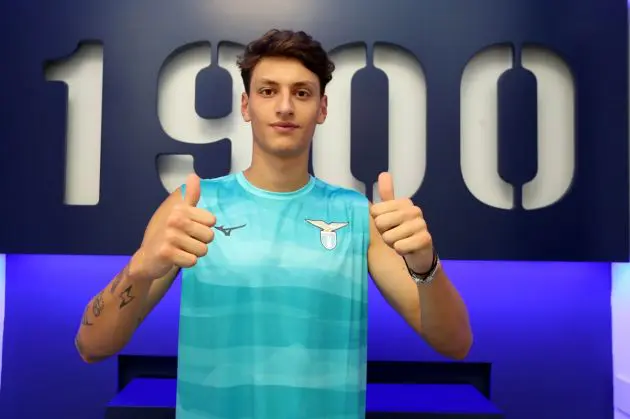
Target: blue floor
{"type": "Point", "coordinates": [154, 398]}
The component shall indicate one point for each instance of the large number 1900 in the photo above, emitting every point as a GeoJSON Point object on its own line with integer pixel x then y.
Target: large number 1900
{"type": "Point", "coordinates": [83, 73]}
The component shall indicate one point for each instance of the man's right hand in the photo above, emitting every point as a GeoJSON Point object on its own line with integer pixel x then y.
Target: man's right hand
{"type": "Point", "coordinates": [178, 237]}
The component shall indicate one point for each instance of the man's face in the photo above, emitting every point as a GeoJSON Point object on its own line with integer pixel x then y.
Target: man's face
{"type": "Point", "coordinates": [284, 106]}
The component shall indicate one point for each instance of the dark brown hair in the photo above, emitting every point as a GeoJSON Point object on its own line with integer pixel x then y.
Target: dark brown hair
{"type": "Point", "coordinates": [290, 44]}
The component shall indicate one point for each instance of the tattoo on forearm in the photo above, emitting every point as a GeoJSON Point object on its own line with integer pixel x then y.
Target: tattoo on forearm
{"type": "Point", "coordinates": [98, 304]}
{"type": "Point", "coordinates": [118, 279]}
{"type": "Point", "coordinates": [115, 283]}
{"type": "Point", "coordinates": [84, 320]}
{"type": "Point", "coordinates": [126, 297]}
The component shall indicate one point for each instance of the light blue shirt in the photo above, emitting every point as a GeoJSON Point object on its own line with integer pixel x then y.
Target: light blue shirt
{"type": "Point", "coordinates": [273, 321]}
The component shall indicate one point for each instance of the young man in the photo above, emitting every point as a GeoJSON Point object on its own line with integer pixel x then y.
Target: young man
{"type": "Point", "coordinates": [273, 316]}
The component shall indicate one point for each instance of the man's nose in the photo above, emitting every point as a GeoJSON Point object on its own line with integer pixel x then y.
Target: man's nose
{"type": "Point", "coordinates": [284, 105]}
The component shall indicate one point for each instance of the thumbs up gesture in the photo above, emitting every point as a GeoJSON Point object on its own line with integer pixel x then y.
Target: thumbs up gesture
{"type": "Point", "coordinates": [178, 234]}
{"type": "Point", "coordinates": [402, 226]}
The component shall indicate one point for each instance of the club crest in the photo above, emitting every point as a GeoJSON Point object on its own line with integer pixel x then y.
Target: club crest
{"type": "Point", "coordinates": [328, 232]}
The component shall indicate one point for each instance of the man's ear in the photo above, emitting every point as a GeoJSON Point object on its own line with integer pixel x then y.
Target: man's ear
{"type": "Point", "coordinates": [245, 107]}
{"type": "Point", "coordinates": [323, 110]}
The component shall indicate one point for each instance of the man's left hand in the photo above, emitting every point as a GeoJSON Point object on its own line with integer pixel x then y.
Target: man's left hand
{"type": "Point", "coordinates": [402, 226]}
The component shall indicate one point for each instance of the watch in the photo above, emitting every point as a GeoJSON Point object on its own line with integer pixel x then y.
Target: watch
{"type": "Point", "coordinates": [425, 278]}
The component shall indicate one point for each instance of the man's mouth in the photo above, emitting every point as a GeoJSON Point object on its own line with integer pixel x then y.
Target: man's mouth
{"type": "Point", "coordinates": [284, 127]}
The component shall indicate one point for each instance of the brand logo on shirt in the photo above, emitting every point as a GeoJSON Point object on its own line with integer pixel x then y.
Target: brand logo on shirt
{"type": "Point", "coordinates": [228, 230]}
{"type": "Point", "coordinates": [328, 233]}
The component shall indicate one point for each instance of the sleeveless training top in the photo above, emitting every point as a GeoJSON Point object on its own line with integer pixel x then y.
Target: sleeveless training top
{"type": "Point", "coordinates": [273, 321]}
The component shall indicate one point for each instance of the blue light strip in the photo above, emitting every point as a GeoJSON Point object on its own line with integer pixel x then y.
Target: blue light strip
{"type": "Point", "coordinates": [2, 288]}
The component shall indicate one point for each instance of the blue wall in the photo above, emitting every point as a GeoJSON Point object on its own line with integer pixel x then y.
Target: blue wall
{"type": "Point", "coordinates": [544, 326]}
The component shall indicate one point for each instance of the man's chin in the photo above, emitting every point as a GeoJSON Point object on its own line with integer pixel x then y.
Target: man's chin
{"type": "Point", "coordinates": [287, 152]}
{"type": "Point", "coordinates": [286, 149]}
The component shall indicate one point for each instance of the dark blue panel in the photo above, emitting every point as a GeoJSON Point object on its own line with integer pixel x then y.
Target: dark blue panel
{"type": "Point", "coordinates": [369, 125]}
{"type": "Point", "coordinates": [590, 222]}
{"type": "Point", "coordinates": [518, 124]}
{"type": "Point", "coordinates": [214, 90]}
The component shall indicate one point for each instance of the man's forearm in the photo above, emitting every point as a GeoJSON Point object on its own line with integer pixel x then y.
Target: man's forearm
{"type": "Point", "coordinates": [445, 322]}
{"type": "Point", "coordinates": [111, 317]}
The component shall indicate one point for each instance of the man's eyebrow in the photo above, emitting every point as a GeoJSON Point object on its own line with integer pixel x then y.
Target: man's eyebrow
{"type": "Point", "coordinates": [305, 83]}
{"type": "Point", "coordinates": [275, 83]}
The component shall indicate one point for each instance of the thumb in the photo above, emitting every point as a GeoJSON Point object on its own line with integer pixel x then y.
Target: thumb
{"type": "Point", "coordinates": [193, 190]}
{"type": "Point", "coordinates": [386, 187]}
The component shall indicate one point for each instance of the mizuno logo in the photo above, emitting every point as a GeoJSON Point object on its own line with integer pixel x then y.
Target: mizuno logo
{"type": "Point", "coordinates": [228, 230]}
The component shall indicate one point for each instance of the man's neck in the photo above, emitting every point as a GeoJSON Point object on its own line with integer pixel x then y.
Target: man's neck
{"type": "Point", "coordinates": [276, 174]}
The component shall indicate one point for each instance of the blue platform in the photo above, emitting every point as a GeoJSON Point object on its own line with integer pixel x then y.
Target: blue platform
{"type": "Point", "coordinates": [154, 398]}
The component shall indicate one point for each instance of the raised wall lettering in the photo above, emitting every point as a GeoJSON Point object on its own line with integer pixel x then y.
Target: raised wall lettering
{"type": "Point", "coordinates": [556, 139]}
{"type": "Point", "coordinates": [82, 72]}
